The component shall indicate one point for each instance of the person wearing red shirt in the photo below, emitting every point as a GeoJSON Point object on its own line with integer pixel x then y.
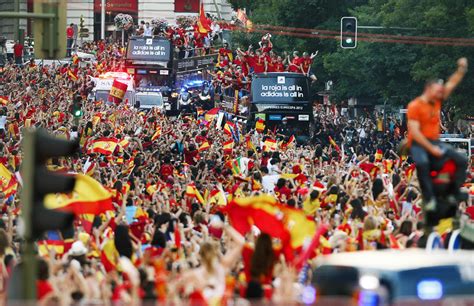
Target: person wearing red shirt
{"type": "Point", "coordinates": [279, 65]}
{"type": "Point", "coordinates": [306, 63]}
{"type": "Point", "coordinates": [70, 39]}
{"type": "Point", "coordinates": [295, 64]}
{"type": "Point", "coordinates": [18, 53]}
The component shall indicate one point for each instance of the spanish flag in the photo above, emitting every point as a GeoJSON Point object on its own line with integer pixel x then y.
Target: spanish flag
{"type": "Point", "coordinates": [250, 145]}
{"type": "Point", "coordinates": [228, 146]}
{"type": "Point", "coordinates": [289, 225]}
{"type": "Point", "coordinates": [72, 75]}
{"type": "Point", "coordinates": [8, 182]}
{"type": "Point", "coordinates": [217, 197]}
{"type": "Point", "coordinates": [157, 134]}
{"type": "Point", "coordinates": [204, 146]}
{"type": "Point", "coordinates": [203, 23]}
{"type": "Point", "coordinates": [45, 246]}
{"type": "Point", "coordinates": [75, 59]}
{"type": "Point", "coordinates": [151, 188]}
{"type": "Point", "coordinates": [270, 145]}
{"type": "Point", "coordinates": [211, 114]}
{"type": "Point", "coordinates": [260, 125]}
{"type": "Point", "coordinates": [117, 92]}
{"type": "Point", "coordinates": [378, 155]}
{"type": "Point", "coordinates": [88, 197]}
{"type": "Point", "coordinates": [334, 144]}
{"type": "Point", "coordinates": [192, 192]}
{"type": "Point", "coordinates": [3, 100]}
{"type": "Point", "coordinates": [109, 255]}
{"type": "Point", "coordinates": [229, 128]}
{"type": "Point", "coordinates": [104, 146]}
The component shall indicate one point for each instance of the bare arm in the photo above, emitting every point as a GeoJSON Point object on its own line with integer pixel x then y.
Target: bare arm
{"type": "Point", "coordinates": [414, 127]}
{"type": "Point", "coordinates": [456, 78]}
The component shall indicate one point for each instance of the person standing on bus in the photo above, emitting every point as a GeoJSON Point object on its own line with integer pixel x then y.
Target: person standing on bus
{"type": "Point", "coordinates": [306, 63]}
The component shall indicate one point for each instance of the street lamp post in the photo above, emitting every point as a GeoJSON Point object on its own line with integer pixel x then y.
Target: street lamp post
{"type": "Point", "coordinates": [102, 20]}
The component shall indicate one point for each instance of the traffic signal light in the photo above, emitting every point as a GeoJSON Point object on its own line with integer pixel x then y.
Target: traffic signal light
{"type": "Point", "coordinates": [77, 107]}
{"type": "Point", "coordinates": [50, 33]}
{"type": "Point", "coordinates": [39, 147]}
{"type": "Point", "coordinates": [348, 32]}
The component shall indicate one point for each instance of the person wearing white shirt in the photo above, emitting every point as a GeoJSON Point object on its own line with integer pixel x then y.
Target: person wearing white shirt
{"type": "Point", "coordinates": [269, 181]}
{"type": "Point", "coordinates": [148, 30]}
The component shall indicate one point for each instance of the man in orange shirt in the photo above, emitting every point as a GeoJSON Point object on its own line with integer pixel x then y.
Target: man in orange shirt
{"type": "Point", "coordinates": [423, 134]}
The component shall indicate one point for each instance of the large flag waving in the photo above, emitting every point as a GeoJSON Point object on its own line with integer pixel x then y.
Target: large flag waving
{"type": "Point", "coordinates": [203, 23]}
{"type": "Point", "coordinates": [289, 225]}
{"type": "Point", "coordinates": [104, 146]}
{"type": "Point", "coordinates": [88, 197]}
{"type": "Point", "coordinates": [117, 92]}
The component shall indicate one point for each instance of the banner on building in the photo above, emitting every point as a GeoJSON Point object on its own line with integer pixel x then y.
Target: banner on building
{"type": "Point", "coordinates": [186, 6]}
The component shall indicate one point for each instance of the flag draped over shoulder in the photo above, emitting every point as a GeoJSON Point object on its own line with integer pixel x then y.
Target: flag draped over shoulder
{"type": "Point", "coordinates": [117, 92]}
{"type": "Point", "coordinates": [88, 197]}
{"type": "Point", "coordinates": [8, 182]}
{"type": "Point", "coordinates": [103, 145]}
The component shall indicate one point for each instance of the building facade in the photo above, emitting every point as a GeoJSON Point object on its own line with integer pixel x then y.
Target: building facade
{"type": "Point", "coordinates": [90, 11]}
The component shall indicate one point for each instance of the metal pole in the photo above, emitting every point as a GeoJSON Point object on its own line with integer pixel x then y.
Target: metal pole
{"type": "Point", "coordinates": [123, 37]}
{"type": "Point", "coordinates": [51, 39]}
{"type": "Point", "coordinates": [102, 20]}
{"type": "Point", "coordinates": [29, 257]}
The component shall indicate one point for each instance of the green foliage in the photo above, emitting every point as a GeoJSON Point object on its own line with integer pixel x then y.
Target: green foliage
{"type": "Point", "coordinates": [380, 71]}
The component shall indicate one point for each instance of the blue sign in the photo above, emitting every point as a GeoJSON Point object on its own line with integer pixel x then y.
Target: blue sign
{"type": "Point", "coordinates": [130, 213]}
{"type": "Point", "coordinates": [274, 117]}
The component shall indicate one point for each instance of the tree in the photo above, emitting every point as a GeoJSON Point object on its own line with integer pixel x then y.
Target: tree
{"type": "Point", "coordinates": [396, 72]}
{"type": "Point", "coordinates": [380, 71]}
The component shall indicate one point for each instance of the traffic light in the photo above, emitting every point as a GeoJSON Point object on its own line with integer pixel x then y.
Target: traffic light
{"type": "Point", "coordinates": [39, 147]}
{"type": "Point", "coordinates": [77, 107]}
{"type": "Point", "coordinates": [348, 32]}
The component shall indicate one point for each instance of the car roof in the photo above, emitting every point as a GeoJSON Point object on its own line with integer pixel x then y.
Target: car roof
{"type": "Point", "coordinates": [398, 260]}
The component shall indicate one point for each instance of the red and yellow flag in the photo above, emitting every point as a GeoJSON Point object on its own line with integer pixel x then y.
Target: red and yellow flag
{"type": "Point", "coordinates": [192, 192]}
{"type": "Point", "coordinates": [104, 146]}
{"type": "Point", "coordinates": [203, 23]}
{"type": "Point", "coordinates": [250, 145]}
{"type": "Point", "coordinates": [270, 145]}
{"type": "Point", "coordinates": [88, 197]}
{"type": "Point", "coordinates": [117, 92]}
{"type": "Point", "coordinates": [3, 100]}
{"type": "Point", "coordinates": [45, 246]}
{"type": "Point", "coordinates": [72, 75]}
{"type": "Point", "coordinates": [260, 125]}
{"type": "Point", "coordinates": [204, 146]}
{"type": "Point", "coordinates": [157, 134]}
{"type": "Point", "coordinates": [228, 146]}
{"type": "Point", "coordinates": [334, 144]}
{"type": "Point", "coordinates": [109, 255]}
{"type": "Point", "coordinates": [8, 182]}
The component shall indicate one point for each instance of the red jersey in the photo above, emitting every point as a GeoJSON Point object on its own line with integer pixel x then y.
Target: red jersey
{"type": "Point", "coordinates": [70, 32]}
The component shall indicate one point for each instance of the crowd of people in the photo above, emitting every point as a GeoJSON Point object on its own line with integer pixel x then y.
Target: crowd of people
{"type": "Point", "coordinates": [197, 211]}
